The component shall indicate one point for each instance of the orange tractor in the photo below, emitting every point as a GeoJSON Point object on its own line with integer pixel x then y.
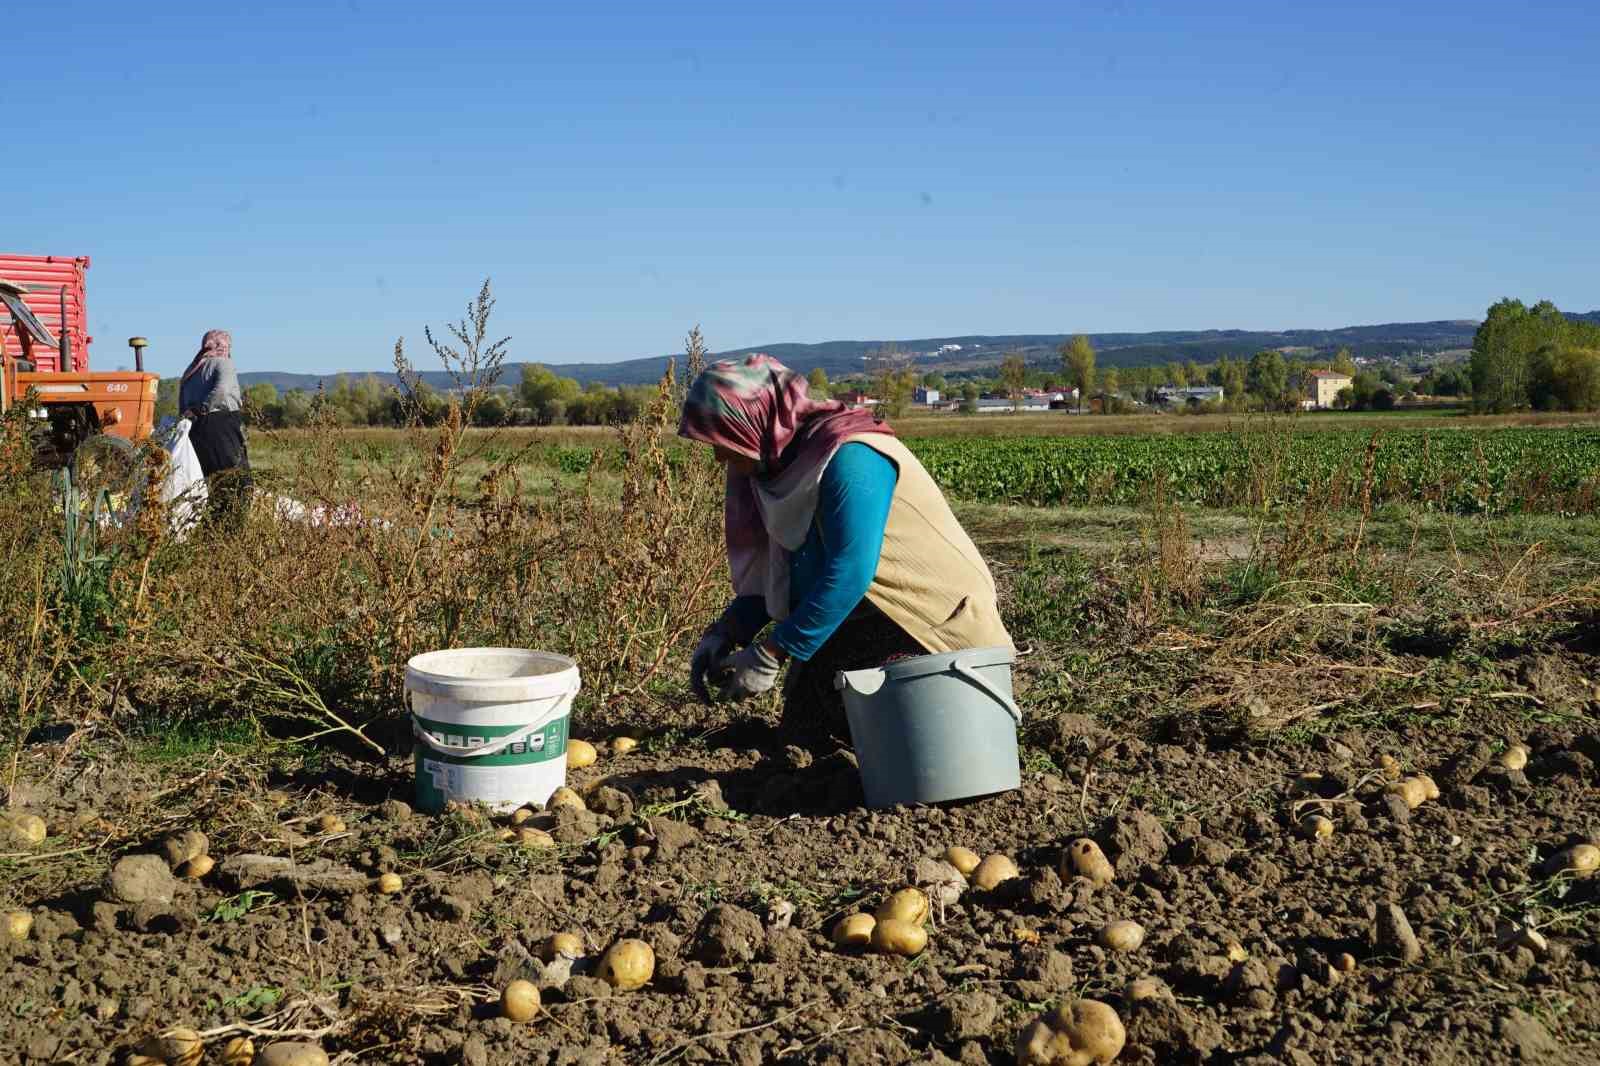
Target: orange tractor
{"type": "Point", "coordinates": [44, 348]}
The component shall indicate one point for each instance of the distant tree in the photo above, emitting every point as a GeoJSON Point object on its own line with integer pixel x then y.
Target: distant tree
{"type": "Point", "coordinates": [817, 383]}
{"type": "Point", "coordinates": [969, 397]}
{"type": "Point", "coordinates": [1344, 398]}
{"type": "Point", "coordinates": [1267, 377]}
{"type": "Point", "coordinates": [1014, 377]}
{"type": "Point", "coordinates": [1504, 346]}
{"type": "Point", "coordinates": [1566, 378]}
{"type": "Point", "coordinates": [491, 410]}
{"type": "Point", "coordinates": [550, 397]}
{"type": "Point", "coordinates": [933, 380]}
{"type": "Point", "coordinates": [261, 407]}
{"type": "Point", "coordinates": [1177, 377]}
{"type": "Point", "coordinates": [1343, 363]}
{"type": "Point", "coordinates": [1192, 372]}
{"type": "Point", "coordinates": [894, 388]}
{"type": "Point", "coordinates": [1109, 382]}
{"type": "Point", "coordinates": [1077, 359]}
{"type": "Point", "coordinates": [167, 398]}
{"type": "Point", "coordinates": [1383, 398]}
{"type": "Point", "coordinates": [1390, 375]}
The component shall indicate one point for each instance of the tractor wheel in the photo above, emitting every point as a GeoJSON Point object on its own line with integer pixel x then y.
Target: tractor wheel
{"type": "Point", "coordinates": [106, 463]}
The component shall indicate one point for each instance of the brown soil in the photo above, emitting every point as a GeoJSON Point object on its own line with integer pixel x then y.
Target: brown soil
{"type": "Point", "coordinates": [698, 846]}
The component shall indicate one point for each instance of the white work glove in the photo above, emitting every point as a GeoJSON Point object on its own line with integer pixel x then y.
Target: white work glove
{"type": "Point", "coordinates": [747, 673]}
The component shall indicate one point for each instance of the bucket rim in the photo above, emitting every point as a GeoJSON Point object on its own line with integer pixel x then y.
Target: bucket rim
{"type": "Point", "coordinates": [420, 677]}
{"type": "Point", "coordinates": [941, 663]}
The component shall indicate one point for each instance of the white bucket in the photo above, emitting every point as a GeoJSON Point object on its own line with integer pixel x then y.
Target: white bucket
{"type": "Point", "coordinates": [491, 725]}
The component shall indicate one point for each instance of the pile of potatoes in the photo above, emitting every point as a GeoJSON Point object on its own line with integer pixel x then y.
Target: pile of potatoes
{"type": "Point", "coordinates": [895, 928]}
{"type": "Point", "coordinates": [179, 1046]}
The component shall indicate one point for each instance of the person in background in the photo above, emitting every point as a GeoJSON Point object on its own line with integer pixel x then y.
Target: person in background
{"type": "Point", "coordinates": [837, 534]}
{"type": "Point", "coordinates": [209, 397]}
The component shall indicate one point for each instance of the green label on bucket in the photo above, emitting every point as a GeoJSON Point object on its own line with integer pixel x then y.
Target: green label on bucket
{"type": "Point", "coordinates": [541, 746]}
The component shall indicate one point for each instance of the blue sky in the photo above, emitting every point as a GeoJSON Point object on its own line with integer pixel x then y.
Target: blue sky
{"type": "Point", "coordinates": [322, 178]}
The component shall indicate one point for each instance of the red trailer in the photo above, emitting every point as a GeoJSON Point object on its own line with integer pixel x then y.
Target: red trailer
{"type": "Point", "coordinates": [53, 289]}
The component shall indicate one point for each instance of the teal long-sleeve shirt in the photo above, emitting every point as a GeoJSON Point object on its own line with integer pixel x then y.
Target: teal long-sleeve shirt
{"type": "Point", "coordinates": [830, 574]}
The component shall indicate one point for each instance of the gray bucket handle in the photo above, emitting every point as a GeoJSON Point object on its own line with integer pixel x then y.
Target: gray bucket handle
{"type": "Point", "coordinates": [959, 666]}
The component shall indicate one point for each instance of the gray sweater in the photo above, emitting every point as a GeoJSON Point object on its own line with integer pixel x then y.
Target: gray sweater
{"type": "Point", "coordinates": [214, 386]}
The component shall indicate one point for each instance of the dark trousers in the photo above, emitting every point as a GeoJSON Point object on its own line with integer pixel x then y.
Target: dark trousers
{"type": "Point", "coordinates": [813, 710]}
{"type": "Point", "coordinates": [218, 439]}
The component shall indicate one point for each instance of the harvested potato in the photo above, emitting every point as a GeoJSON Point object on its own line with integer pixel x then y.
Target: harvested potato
{"type": "Point", "coordinates": [1120, 936]}
{"type": "Point", "coordinates": [1430, 791]}
{"type": "Point", "coordinates": [19, 924]}
{"type": "Point", "coordinates": [520, 815]}
{"type": "Point", "coordinates": [1345, 963]}
{"type": "Point", "coordinates": [1515, 757]}
{"type": "Point", "coordinates": [853, 931]}
{"type": "Point", "coordinates": [139, 1058]}
{"type": "Point", "coordinates": [1316, 826]}
{"type": "Point", "coordinates": [183, 847]}
{"type": "Point", "coordinates": [964, 859]}
{"type": "Point", "coordinates": [1073, 1034]}
{"type": "Point", "coordinates": [196, 868]}
{"type": "Point", "coordinates": [528, 837]}
{"type": "Point", "coordinates": [1580, 860]}
{"type": "Point", "coordinates": [908, 905]}
{"type": "Point", "coordinates": [520, 1001]}
{"type": "Point", "coordinates": [1237, 952]}
{"type": "Point", "coordinates": [628, 964]}
{"type": "Point", "coordinates": [895, 936]}
{"type": "Point", "coordinates": [558, 944]}
{"type": "Point", "coordinates": [581, 753]}
{"type": "Point", "coordinates": [565, 797]}
{"type": "Point", "coordinates": [1308, 784]}
{"type": "Point", "coordinates": [1147, 989]}
{"type": "Point", "coordinates": [1412, 790]}
{"type": "Point", "coordinates": [1390, 766]}
{"type": "Point", "coordinates": [329, 824]}
{"type": "Point", "coordinates": [26, 829]}
{"type": "Point", "coordinates": [292, 1053]}
{"type": "Point", "coordinates": [1085, 859]}
{"type": "Point", "coordinates": [240, 1051]}
{"type": "Point", "coordinates": [992, 871]}
{"type": "Point", "coordinates": [177, 1046]}
{"type": "Point", "coordinates": [623, 745]}
{"type": "Point", "coordinates": [389, 883]}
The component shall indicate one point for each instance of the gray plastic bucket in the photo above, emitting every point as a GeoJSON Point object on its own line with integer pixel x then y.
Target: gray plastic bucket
{"type": "Point", "coordinates": [935, 727]}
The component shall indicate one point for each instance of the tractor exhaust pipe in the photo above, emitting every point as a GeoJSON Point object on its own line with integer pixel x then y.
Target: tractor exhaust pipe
{"type": "Point", "coordinates": [138, 344]}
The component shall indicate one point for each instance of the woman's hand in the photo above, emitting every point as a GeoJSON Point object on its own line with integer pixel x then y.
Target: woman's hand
{"type": "Point", "coordinates": [714, 644]}
{"type": "Point", "coordinates": [749, 672]}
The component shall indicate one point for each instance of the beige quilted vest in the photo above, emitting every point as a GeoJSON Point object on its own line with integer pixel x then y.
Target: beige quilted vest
{"type": "Point", "coordinates": [931, 579]}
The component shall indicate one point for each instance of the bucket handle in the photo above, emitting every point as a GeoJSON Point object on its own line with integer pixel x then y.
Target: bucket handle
{"type": "Point", "coordinates": [476, 751]}
{"type": "Point", "coordinates": [960, 666]}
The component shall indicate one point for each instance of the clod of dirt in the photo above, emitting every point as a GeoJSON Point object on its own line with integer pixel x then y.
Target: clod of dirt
{"type": "Point", "coordinates": [248, 870]}
{"type": "Point", "coordinates": [1392, 935]}
{"type": "Point", "coordinates": [180, 848]}
{"type": "Point", "coordinates": [140, 879]}
{"type": "Point", "coordinates": [292, 1053]}
{"type": "Point", "coordinates": [1085, 859]}
{"type": "Point", "coordinates": [671, 836]}
{"type": "Point", "coordinates": [611, 801]}
{"type": "Point", "coordinates": [1133, 840]}
{"type": "Point", "coordinates": [942, 881]}
{"type": "Point", "coordinates": [1147, 988]}
{"type": "Point", "coordinates": [629, 964]}
{"type": "Point", "coordinates": [1525, 1033]}
{"type": "Point", "coordinates": [1171, 1033]}
{"type": "Point", "coordinates": [1081, 1033]}
{"type": "Point", "coordinates": [394, 810]}
{"type": "Point", "coordinates": [966, 1015]}
{"type": "Point", "coordinates": [1397, 807]}
{"type": "Point", "coordinates": [730, 935]}
{"type": "Point", "coordinates": [1203, 851]}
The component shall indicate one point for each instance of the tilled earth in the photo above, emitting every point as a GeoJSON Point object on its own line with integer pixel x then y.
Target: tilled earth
{"type": "Point", "coordinates": [699, 849]}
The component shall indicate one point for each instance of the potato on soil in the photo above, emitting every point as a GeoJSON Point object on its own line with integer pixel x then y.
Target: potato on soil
{"type": "Point", "coordinates": [25, 829]}
{"type": "Point", "coordinates": [1515, 757]}
{"type": "Point", "coordinates": [580, 753]}
{"type": "Point", "coordinates": [964, 859]}
{"type": "Point", "coordinates": [240, 1051]}
{"type": "Point", "coordinates": [1074, 1034]}
{"type": "Point", "coordinates": [1430, 790]}
{"type": "Point", "coordinates": [1413, 790]}
{"type": "Point", "coordinates": [1390, 766]}
{"type": "Point", "coordinates": [520, 1001]}
{"type": "Point", "coordinates": [565, 797]}
{"type": "Point", "coordinates": [389, 884]}
{"type": "Point", "coordinates": [177, 1046]}
{"type": "Point", "coordinates": [533, 838]}
{"type": "Point", "coordinates": [183, 847]}
{"type": "Point", "coordinates": [330, 824]}
{"type": "Point", "coordinates": [1345, 963]}
{"type": "Point", "coordinates": [1581, 860]}
{"type": "Point", "coordinates": [520, 815]}
{"type": "Point", "coordinates": [19, 924]}
{"type": "Point", "coordinates": [1316, 826]}
{"type": "Point", "coordinates": [292, 1053]}
{"type": "Point", "coordinates": [907, 904]}
{"type": "Point", "coordinates": [623, 745]}
{"type": "Point", "coordinates": [1085, 859]}
{"type": "Point", "coordinates": [196, 868]}
{"type": "Point", "coordinates": [628, 964]}
{"type": "Point", "coordinates": [992, 871]}
{"type": "Point", "coordinates": [1120, 936]}
{"type": "Point", "coordinates": [558, 944]}
{"type": "Point", "coordinates": [853, 931]}
{"type": "Point", "coordinates": [895, 936]}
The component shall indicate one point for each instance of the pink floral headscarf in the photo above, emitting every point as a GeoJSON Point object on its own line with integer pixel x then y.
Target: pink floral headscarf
{"type": "Point", "coordinates": [760, 409]}
{"type": "Point", "coordinates": [216, 344]}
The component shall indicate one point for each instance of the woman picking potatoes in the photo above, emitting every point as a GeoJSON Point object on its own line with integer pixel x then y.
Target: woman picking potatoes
{"type": "Point", "coordinates": [836, 536]}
